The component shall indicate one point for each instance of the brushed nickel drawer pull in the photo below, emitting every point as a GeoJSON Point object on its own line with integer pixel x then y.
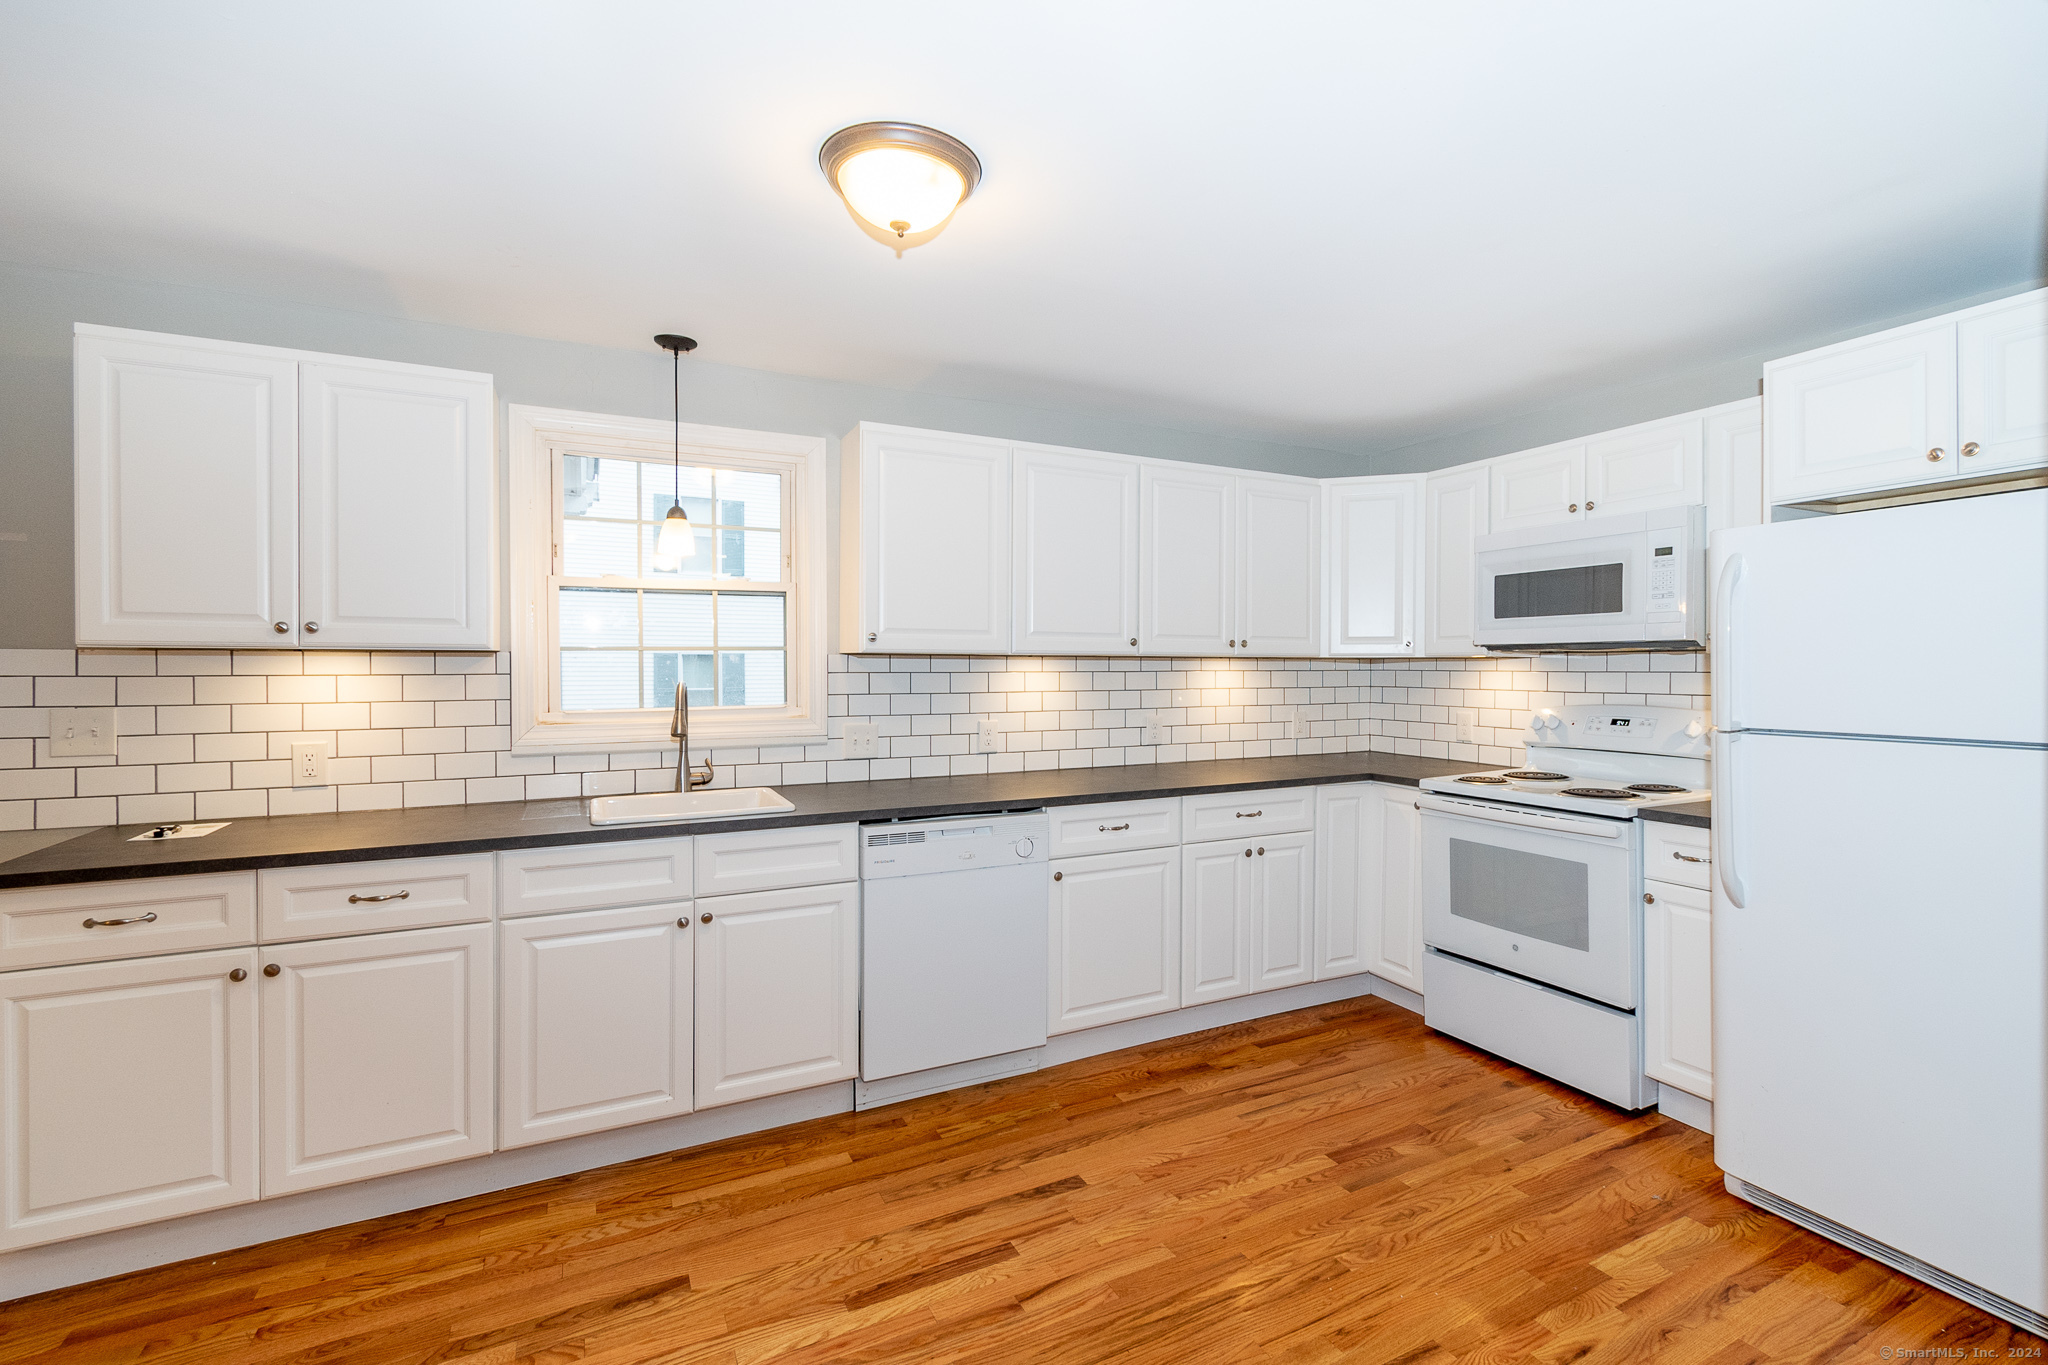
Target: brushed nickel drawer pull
{"type": "Point", "coordinates": [1934, 456]}
{"type": "Point", "coordinates": [1250, 815]}
{"type": "Point", "coordinates": [1686, 857]}
{"type": "Point", "coordinates": [149, 918]}
{"type": "Point", "coordinates": [379, 900]}
{"type": "Point", "coordinates": [1970, 449]}
{"type": "Point", "coordinates": [1111, 829]}
{"type": "Point", "coordinates": [280, 627]}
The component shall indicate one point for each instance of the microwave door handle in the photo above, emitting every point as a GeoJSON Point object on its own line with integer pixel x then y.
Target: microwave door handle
{"type": "Point", "coordinates": [1722, 831]}
{"type": "Point", "coordinates": [1722, 630]}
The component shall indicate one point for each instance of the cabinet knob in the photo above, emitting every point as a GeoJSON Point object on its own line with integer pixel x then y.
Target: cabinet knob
{"type": "Point", "coordinates": [1262, 853]}
{"type": "Point", "coordinates": [705, 917]}
{"type": "Point", "coordinates": [1934, 455]}
{"type": "Point", "coordinates": [280, 627]}
{"type": "Point", "coordinates": [272, 969]}
{"type": "Point", "coordinates": [1649, 899]}
{"type": "Point", "coordinates": [1969, 449]}
{"type": "Point", "coordinates": [312, 627]}
{"type": "Point", "coordinates": [683, 923]}
{"type": "Point", "coordinates": [1134, 642]}
{"type": "Point", "coordinates": [1059, 876]}
{"type": "Point", "coordinates": [871, 637]}
{"type": "Point", "coordinates": [238, 974]}
{"type": "Point", "coordinates": [1574, 507]}
{"type": "Point", "coordinates": [1247, 853]}
{"type": "Point", "coordinates": [1589, 504]}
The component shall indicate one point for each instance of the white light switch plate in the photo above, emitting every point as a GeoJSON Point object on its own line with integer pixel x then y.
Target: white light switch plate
{"type": "Point", "coordinates": [81, 731]}
{"type": "Point", "coordinates": [861, 738]}
{"type": "Point", "coordinates": [985, 741]}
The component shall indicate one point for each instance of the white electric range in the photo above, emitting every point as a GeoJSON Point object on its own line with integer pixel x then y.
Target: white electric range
{"type": "Point", "coordinates": [1532, 884]}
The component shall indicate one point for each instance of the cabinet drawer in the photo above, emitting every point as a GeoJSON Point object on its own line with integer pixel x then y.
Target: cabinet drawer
{"type": "Point", "coordinates": [766, 860]}
{"type": "Point", "coordinates": [535, 881]}
{"type": "Point", "coordinates": [1078, 830]}
{"type": "Point", "coordinates": [46, 925]}
{"type": "Point", "coordinates": [1675, 853]}
{"type": "Point", "coordinates": [1237, 815]}
{"type": "Point", "coordinates": [360, 898]}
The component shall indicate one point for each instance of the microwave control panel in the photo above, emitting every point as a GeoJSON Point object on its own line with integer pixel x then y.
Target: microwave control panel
{"type": "Point", "coordinates": [1664, 584]}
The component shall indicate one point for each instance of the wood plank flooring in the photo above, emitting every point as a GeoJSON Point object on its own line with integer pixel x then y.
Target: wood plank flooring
{"type": "Point", "coordinates": [1338, 1183]}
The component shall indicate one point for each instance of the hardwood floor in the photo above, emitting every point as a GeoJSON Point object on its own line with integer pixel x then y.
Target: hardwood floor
{"type": "Point", "coordinates": [1333, 1184]}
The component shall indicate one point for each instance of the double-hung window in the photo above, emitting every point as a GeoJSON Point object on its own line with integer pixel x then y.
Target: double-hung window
{"type": "Point", "coordinates": [616, 625]}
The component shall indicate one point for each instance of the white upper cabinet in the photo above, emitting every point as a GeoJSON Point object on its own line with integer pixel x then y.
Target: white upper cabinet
{"type": "Point", "coordinates": [395, 510]}
{"type": "Point", "coordinates": [1454, 514]}
{"type": "Point", "coordinates": [1187, 574]}
{"type": "Point", "coordinates": [187, 492]}
{"type": "Point", "coordinates": [1644, 468]}
{"type": "Point", "coordinates": [2002, 359]}
{"type": "Point", "coordinates": [1538, 487]}
{"type": "Point", "coordinates": [1732, 437]}
{"type": "Point", "coordinates": [1876, 412]}
{"type": "Point", "coordinates": [1372, 564]}
{"type": "Point", "coordinates": [924, 542]}
{"type": "Point", "coordinates": [251, 496]}
{"type": "Point", "coordinates": [1280, 564]}
{"type": "Point", "coordinates": [1076, 528]}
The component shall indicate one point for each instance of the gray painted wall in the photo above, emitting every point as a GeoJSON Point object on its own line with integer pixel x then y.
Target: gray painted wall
{"type": "Point", "coordinates": [38, 306]}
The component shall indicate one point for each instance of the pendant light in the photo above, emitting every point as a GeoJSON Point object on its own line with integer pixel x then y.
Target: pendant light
{"type": "Point", "coordinates": [677, 541]}
{"type": "Point", "coordinates": [900, 178]}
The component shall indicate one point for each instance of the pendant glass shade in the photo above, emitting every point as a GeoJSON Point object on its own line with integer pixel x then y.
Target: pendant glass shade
{"type": "Point", "coordinates": [677, 542]}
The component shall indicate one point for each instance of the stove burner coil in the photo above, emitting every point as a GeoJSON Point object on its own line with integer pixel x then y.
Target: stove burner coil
{"type": "Point", "coordinates": [1533, 776]}
{"type": "Point", "coordinates": [1654, 788]}
{"type": "Point", "coordinates": [1603, 793]}
{"type": "Point", "coordinates": [1485, 778]}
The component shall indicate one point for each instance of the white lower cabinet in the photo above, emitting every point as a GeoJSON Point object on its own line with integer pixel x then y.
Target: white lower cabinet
{"type": "Point", "coordinates": [1391, 855]}
{"type": "Point", "coordinates": [129, 1093]}
{"type": "Point", "coordinates": [1246, 916]}
{"type": "Point", "coordinates": [778, 991]}
{"type": "Point", "coordinates": [1283, 911]}
{"type": "Point", "coordinates": [594, 1018]}
{"type": "Point", "coordinates": [377, 1055]}
{"type": "Point", "coordinates": [1678, 977]}
{"type": "Point", "coordinates": [1115, 938]}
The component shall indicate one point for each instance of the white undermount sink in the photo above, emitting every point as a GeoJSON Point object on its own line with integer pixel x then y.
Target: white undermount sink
{"type": "Point", "coordinates": [729, 803]}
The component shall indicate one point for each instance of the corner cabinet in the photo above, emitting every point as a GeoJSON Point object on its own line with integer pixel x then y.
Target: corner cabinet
{"type": "Point", "coordinates": [1368, 879]}
{"type": "Point", "coordinates": [234, 495]}
{"type": "Point", "coordinates": [1454, 516]}
{"type": "Point", "coordinates": [924, 542]}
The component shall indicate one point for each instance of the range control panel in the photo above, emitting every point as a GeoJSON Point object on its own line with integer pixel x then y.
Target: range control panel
{"type": "Point", "coordinates": [1622, 729]}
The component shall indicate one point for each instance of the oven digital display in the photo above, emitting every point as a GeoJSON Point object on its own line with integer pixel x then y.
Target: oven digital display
{"type": "Point", "coordinates": [1582, 590]}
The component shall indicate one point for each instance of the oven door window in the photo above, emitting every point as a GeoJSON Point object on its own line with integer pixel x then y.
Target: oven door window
{"type": "Point", "coordinates": [1581, 590]}
{"type": "Point", "coordinates": [1521, 893]}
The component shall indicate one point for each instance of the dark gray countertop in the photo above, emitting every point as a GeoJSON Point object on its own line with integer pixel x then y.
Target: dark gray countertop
{"type": "Point", "coordinates": [1693, 813]}
{"type": "Point", "coordinates": [50, 857]}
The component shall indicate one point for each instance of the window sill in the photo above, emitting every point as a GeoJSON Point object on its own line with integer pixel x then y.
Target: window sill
{"type": "Point", "coordinates": [638, 736]}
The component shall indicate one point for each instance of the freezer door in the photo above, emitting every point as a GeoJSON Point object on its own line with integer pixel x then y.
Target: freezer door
{"type": "Point", "coordinates": [1925, 621]}
{"type": "Point", "coordinates": [1880, 1039]}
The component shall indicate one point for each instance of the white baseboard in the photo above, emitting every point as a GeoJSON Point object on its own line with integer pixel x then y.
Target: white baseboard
{"type": "Point", "coordinates": [36, 1270]}
{"type": "Point", "coordinates": [1690, 1110]}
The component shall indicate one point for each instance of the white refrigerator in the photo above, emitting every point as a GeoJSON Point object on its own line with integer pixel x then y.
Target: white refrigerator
{"type": "Point", "coordinates": [1880, 824]}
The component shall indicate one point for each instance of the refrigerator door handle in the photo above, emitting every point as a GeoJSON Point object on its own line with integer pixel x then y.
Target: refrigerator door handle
{"type": "Point", "coordinates": [1723, 685]}
{"type": "Point", "coordinates": [1722, 832]}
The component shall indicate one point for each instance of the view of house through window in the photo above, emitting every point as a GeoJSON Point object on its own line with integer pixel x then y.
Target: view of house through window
{"type": "Point", "coordinates": [630, 626]}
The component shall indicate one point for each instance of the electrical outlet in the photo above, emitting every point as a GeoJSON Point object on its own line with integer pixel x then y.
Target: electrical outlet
{"type": "Point", "coordinates": [1298, 728]}
{"type": "Point", "coordinates": [81, 731]}
{"type": "Point", "coordinates": [1151, 731]}
{"type": "Point", "coordinates": [985, 739]}
{"type": "Point", "coordinates": [1464, 730]}
{"type": "Point", "coordinates": [309, 765]}
{"type": "Point", "coordinates": [862, 738]}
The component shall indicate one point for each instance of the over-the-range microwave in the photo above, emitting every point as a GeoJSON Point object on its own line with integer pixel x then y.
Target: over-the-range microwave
{"type": "Point", "coordinates": [1628, 582]}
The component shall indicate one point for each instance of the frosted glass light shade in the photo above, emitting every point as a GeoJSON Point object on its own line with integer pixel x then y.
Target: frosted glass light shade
{"type": "Point", "coordinates": [902, 178]}
{"type": "Point", "coordinates": [677, 542]}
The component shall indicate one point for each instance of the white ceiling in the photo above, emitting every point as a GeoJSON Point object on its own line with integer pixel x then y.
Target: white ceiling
{"type": "Point", "coordinates": [1339, 224]}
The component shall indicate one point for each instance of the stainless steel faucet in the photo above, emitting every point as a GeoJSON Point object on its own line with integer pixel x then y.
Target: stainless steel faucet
{"type": "Point", "coordinates": [679, 728]}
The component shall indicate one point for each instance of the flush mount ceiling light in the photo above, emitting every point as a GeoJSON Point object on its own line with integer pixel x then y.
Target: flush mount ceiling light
{"type": "Point", "coordinates": [902, 179]}
{"type": "Point", "coordinates": [677, 541]}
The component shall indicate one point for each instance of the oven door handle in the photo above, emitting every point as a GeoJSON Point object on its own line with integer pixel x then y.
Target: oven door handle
{"type": "Point", "coordinates": [1561, 824]}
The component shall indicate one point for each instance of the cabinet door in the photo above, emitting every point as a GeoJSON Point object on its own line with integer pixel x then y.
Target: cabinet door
{"type": "Point", "coordinates": [930, 515]}
{"type": "Point", "coordinates": [1344, 936]}
{"type": "Point", "coordinates": [1283, 911]}
{"type": "Point", "coordinates": [1115, 938]}
{"type": "Point", "coordinates": [1186, 562]}
{"type": "Point", "coordinates": [1454, 514]}
{"type": "Point", "coordinates": [1733, 438]}
{"type": "Point", "coordinates": [778, 991]}
{"type": "Point", "coordinates": [594, 1021]}
{"type": "Point", "coordinates": [187, 492]}
{"type": "Point", "coordinates": [1645, 468]}
{"type": "Point", "coordinates": [2002, 354]}
{"type": "Point", "coordinates": [1372, 565]}
{"type": "Point", "coordinates": [395, 508]}
{"type": "Point", "coordinates": [1877, 412]}
{"type": "Point", "coordinates": [1678, 1034]}
{"type": "Point", "coordinates": [1279, 566]}
{"type": "Point", "coordinates": [1538, 487]}
{"type": "Point", "coordinates": [1216, 887]}
{"type": "Point", "coordinates": [1076, 533]}
{"type": "Point", "coordinates": [377, 1055]}
{"type": "Point", "coordinates": [1393, 849]}
{"type": "Point", "coordinates": [129, 1095]}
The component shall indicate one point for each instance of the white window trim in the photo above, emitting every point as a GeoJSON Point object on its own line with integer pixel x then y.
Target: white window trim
{"type": "Point", "coordinates": [536, 436]}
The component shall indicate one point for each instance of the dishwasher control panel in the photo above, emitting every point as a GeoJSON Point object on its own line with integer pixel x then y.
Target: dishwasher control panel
{"type": "Point", "coordinates": [959, 843]}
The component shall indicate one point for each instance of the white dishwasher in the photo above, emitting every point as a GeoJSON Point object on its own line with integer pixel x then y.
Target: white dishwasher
{"type": "Point", "coordinates": [953, 940]}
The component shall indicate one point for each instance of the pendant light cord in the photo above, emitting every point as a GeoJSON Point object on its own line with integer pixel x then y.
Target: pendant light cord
{"type": "Point", "coordinates": [676, 428]}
